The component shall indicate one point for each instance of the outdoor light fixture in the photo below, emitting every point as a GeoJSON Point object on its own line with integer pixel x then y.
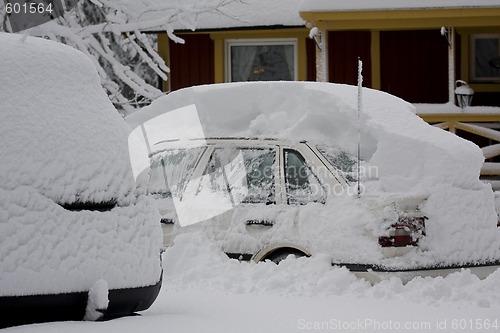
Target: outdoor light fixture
{"type": "Point", "coordinates": [464, 93]}
{"type": "Point", "coordinates": [315, 34]}
{"type": "Point", "coordinates": [445, 33]}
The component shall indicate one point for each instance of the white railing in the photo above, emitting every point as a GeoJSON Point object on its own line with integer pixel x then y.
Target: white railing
{"type": "Point", "coordinates": [473, 124]}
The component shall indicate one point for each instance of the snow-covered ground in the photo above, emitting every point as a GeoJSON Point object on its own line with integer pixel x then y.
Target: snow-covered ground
{"type": "Point", "coordinates": [203, 291]}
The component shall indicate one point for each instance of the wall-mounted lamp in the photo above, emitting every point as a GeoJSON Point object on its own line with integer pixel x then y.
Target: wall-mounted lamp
{"type": "Point", "coordinates": [315, 34]}
{"type": "Point", "coordinates": [464, 94]}
{"type": "Point", "coordinates": [446, 34]}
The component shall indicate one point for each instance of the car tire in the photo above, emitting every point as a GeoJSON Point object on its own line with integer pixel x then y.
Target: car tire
{"type": "Point", "coordinates": [281, 254]}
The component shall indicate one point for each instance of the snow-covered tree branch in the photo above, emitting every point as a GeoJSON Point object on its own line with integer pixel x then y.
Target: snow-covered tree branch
{"type": "Point", "coordinates": [113, 33]}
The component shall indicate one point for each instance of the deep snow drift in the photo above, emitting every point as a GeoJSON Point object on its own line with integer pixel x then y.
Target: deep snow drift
{"type": "Point", "coordinates": [63, 142]}
{"type": "Point", "coordinates": [203, 291]}
{"type": "Point", "coordinates": [411, 157]}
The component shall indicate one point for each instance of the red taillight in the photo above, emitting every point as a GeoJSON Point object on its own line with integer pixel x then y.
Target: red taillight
{"type": "Point", "coordinates": [406, 232]}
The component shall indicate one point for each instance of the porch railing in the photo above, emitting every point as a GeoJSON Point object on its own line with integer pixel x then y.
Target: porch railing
{"type": "Point", "coordinates": [484, 127]}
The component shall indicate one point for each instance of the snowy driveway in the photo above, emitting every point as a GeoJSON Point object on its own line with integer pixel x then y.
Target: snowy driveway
{"type": "Point", "coordinates": [203, 291]}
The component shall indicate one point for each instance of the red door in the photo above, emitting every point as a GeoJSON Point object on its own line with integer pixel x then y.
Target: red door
{"type": "Point", "coordinates": [414, 65]}
{"type": "Point", "coordinates": [344, 49]}
{"type": "Point", "coordinates": [191, 63]}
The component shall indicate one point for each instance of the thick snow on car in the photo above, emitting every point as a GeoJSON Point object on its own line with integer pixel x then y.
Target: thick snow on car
{"type": "Point", "coordinates": [76, 241]}
{"type": "Point", "coordinates": [271, 168]}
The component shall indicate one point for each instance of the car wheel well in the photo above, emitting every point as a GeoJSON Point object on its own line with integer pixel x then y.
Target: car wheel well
{"type": "Point", "coordinates": [281, 253]}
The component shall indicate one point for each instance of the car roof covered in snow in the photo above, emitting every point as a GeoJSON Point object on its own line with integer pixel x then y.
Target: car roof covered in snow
{"type": "Point", "coordinates": [59, 131]}
{"type": "Point", "coordinates": [392, 136]}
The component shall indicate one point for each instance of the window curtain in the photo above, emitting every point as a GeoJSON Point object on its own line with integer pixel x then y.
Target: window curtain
{"type": "Point", "coordinates": [290, 60]}
{"type": "Point", "coordinates": [262, 62]}
{"type": "Point", "coordinates": [242, 59]}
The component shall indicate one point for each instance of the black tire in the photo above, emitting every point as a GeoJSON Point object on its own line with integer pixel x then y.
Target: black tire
{"type": "Point", "coordinates": [281, 254]}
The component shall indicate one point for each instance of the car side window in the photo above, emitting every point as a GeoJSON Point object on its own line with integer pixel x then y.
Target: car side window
{"type": "Point", "coordinates": [302, 186]}
{"type": "Point", "coordinates": [246, 173]}
{"type": "Point", "coordinates": [170, 171]}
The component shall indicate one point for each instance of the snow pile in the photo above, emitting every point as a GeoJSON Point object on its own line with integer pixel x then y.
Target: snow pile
{"type": "Point", "coordinates": [63, 142]}
{"type": "Point", "coordinates": [327, 114]}
{"type": "Point", "coordinates": [196, 264]}
{"type": "Point", "coordinates": [97, 301]}
{"type": "Point", "coordinates": [204, 291]}
{"type": "Point", "coordinates": [411, 159]}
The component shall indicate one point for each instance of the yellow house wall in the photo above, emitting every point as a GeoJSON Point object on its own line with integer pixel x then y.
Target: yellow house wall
{"type": "Point", "coordinates": [163, 51]}
{"type": "Point", "coordinates": [405, 19]}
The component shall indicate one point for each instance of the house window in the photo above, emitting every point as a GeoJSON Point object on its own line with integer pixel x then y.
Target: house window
{"type": "Point", "coordinates": [261, 60]}
{"type": "Point", "coordinates": [485, 57]}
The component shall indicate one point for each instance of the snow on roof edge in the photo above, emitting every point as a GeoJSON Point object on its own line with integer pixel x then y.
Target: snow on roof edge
{"type": "Point", "coordinates": [381, 5]}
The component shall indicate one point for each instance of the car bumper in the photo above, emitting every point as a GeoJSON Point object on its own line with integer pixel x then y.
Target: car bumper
{"type": "Point", "coordinates": [22, 310]}
{"type": "Point", "coordinates": [375, 274]}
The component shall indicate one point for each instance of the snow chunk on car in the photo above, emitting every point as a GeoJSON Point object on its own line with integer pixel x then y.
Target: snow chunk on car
{"type": "Point", "coordinates": [412, 160]}
{"type": "Point", "coordinates": [327, 113]}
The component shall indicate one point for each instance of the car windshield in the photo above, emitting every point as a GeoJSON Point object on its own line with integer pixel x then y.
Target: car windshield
{"type": "Point", "coordinates": [341, 160]}
{"type": "Point", "coordinates": [171, 170]}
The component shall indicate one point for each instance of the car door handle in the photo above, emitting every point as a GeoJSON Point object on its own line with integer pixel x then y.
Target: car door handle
{"type": "Point", "coordinates": [267, 223]}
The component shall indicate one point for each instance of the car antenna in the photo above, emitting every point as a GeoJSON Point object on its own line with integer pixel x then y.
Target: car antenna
{"type": "Point", "coordinates": [360, 106]}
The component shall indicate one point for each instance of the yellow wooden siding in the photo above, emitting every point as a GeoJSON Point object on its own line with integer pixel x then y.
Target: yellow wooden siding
{"type": "Point", "coordinates": [163, 51]}
{"type": "Point", "coordinates": [405, 19]}
{"type": "Point", "coordinates": [375, 53]}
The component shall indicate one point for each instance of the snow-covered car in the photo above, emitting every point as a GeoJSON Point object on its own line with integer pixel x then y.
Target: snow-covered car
{"type": "Point", "coordinates": [272, 169]}
{"type": "Point", "coordinates": [76, 241]}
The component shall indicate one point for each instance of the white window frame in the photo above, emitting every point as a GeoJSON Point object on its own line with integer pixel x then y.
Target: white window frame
{"type": "Point", "coordinates": [259, 42]}
{"type": "Point", "coordinates": [473, 75]}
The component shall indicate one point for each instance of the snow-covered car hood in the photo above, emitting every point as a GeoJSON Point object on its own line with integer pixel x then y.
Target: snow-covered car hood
{"type": "Point", "coordinates": [62, 142]}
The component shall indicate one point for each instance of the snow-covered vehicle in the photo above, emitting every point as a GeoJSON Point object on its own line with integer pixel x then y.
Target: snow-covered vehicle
{"type": "Point", "coordinates": [76, 240]}
{"type": "Point", "coordinates": [271, 169]}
